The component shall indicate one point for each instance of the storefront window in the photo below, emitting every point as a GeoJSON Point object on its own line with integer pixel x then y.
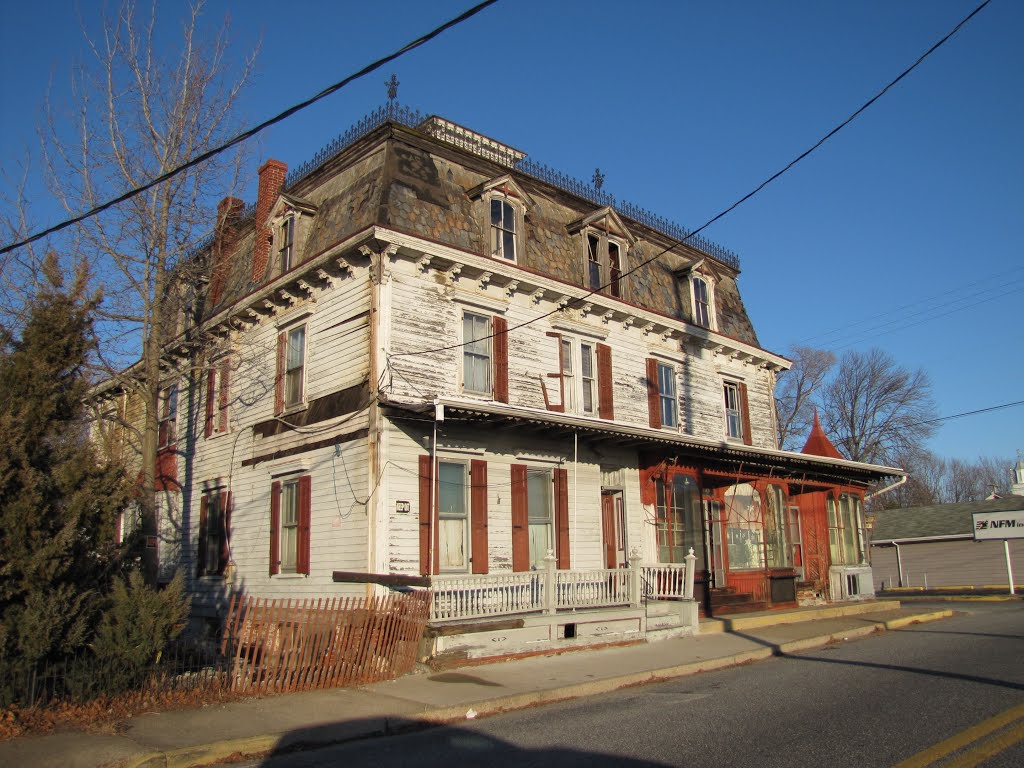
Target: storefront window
{"type": "Point", "coordinates": [744, 527]}
{"type": "Point", "coordinates": [678, 520]}
{"type": "Point", "coordinates": [775, 531]}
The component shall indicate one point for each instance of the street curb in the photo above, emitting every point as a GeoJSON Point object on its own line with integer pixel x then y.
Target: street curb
{"type": "Point", "coordinates": [204, 754]}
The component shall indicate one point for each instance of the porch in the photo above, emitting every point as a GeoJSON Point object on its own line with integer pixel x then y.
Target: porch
{"type": "Point", "coordinates": [517, 613]}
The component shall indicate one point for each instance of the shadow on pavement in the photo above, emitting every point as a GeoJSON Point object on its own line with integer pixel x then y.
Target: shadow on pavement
{"type": "Point", "coordinates": [352, 744]}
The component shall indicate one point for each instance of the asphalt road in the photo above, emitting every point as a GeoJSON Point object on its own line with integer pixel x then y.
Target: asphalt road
{"type": "Point", "coordinates": [871, 702]}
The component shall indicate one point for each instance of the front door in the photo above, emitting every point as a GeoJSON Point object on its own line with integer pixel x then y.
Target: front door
{"type": "Point", "coordinates": [613, 529]}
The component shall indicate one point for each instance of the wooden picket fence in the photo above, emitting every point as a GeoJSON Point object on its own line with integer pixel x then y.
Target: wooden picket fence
{"type": "Point", "coordinates": [297, 645]}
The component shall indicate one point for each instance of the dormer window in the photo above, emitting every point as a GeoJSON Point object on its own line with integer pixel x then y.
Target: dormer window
{"type": "Point", "coordinates": [286, 240]}
{"type": "Point", "coordinates": [702, 297]}
{"type": "Point", "coordinates": [503, 229]}
{"type": "Point", "coordinates": [604, 263]}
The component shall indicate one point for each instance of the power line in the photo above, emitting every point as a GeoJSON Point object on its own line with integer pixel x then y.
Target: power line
{"type": "Point", "coordinates": [248, 134]}
{"type": "Point", "coordinates": [972, 413]}
{"type": "Point", "coordinates": [729, 209]}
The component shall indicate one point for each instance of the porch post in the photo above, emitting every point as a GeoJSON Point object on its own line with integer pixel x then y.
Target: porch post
{"type": "Point", "coordinates": [635, 587]}
{"type": "Point", "coordinates": [691, 559]}
{"type": "Point", "coordinates": [550, 603]}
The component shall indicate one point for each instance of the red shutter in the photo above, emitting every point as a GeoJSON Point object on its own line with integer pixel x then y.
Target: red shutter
{"type": "Point", "coordinates": [653, 394]}
{"type": "Point", "coordinates": [282, 346]}
{"type": "Point", "coordinates": [559, 407]}
{"type": "Point", "coordinates": [562, 519]}
{"type": "Point", "coordinates": [275, 527]}
{"type": "Point", "coordinates": [500, 347]}
{"type": "Point", "coordinates": [747, 437]}
{"type": "Point", "coordinates": [605, 400]}
{"type": "Point", "coordinates": [222, 402]}
{"type": "Point", "coordinates": [302, 556]}
{"type": "Point", "coordinates": [211, 393]}
{"type": "Point", "coordinates": [225, 531]}
{"type": "Point", "coordinates": [478, 514]}
{"type": "Point", "coordinates": [520, 520]}
{"type": "Point", "coordinates": [428, 533]}
{"type": "Point", "coordinates": [203, 533]}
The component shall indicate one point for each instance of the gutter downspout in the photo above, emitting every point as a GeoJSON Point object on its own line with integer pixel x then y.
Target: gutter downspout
{"type": "Point", "coordinates": [435, 516]}
{"type": "Point", "coordinates": [575, 487]}
{"type": "Point", "coordinates": [887, 488]}
{"type": "Point", "coordinates": [899, 561]}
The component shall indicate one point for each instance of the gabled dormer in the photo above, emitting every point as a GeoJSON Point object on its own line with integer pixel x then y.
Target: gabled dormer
{"type": "Point", "coordinates": [701, 279]}
{"type": "Point", "coordinates": [504, 208]}
{"type": "Point", "coordinates": [288, 223]}
{"type": "Point", "coordinates": [604, 246]}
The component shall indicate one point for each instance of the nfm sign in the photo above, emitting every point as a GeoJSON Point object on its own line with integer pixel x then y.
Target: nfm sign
{"type": "Point", "coordinates": [1000, 525]}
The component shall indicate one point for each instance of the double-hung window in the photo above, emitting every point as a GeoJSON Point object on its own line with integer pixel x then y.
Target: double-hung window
{"type": "Point", "coordinates": [539, 514]}
{"type": "Point", "coordinates": [476, 353]}
{"type": "Point", "coordinates": [588, 379]}
{"type": "Point", "coordinates": [503, 229]}
{"type": "Point", "coordinates": [289, 525]}
{"type": "Point", "coordinates": [604, 264]}
{"type": "Point", "coordinates": [287, 244]}
{"type": "Point", "coordinates": [168, 413]}
{"type": "Point", "coordinates": [290, 504]}
{"type": "Point", "coordinates": [701, 302]}
{"type": "Point", "coordinates": [294, 366]}
{"type": "Point", "coordinates": [453, 516]}
{"type": "Point", "coordinates": [733, 411]}
{"type": "Point", "coordinates": [667, 394]}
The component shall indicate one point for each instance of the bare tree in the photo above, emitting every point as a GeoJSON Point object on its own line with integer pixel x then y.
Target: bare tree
{"type": "Point", "coordinates": [796, 392]}
{"type": "Point", "coordinates": [876, 410]}
{"type": "Point", "coordinates": [136, 115]}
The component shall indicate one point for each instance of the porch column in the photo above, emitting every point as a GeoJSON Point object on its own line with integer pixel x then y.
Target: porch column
{"type": "Point", "coordinates": [635, 586]}
{"type": "Point", "coordinates": [691, 560]}
{"type": "Point", "coordinates": [550, 587]}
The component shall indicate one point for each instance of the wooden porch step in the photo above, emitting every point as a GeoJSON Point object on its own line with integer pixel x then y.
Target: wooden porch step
{"type": "Point", "coordinates": [729, 598]}
{"type": "Point", "coordinates": [753, 605]}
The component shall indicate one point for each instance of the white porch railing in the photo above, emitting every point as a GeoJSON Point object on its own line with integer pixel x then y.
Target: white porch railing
{"type": "Point", "coordinates": [462, 597]}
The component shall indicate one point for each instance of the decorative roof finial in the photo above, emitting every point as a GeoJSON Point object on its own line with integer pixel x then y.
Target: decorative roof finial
{"type": "Point", "coordinates": [598, 179]}
{"type": "Point", "coordinates": [392, 85]}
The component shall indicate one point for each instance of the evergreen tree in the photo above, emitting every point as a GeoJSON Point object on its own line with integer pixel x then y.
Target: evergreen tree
{"type": "Point", "coordinates": [59, 501]}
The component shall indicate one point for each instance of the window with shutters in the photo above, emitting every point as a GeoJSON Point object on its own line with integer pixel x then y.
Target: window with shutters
{"type": "Point", "coordinates": [582, 381]}
{"type": "Point", "coordinates": [476, 353]}
{"type": "Point", "coordinates": [291, 369]}
{"type": "Point", "coordinates": [667, 402]}
{"type": "Point", "coordinates": [218, 382]}
{"type": "Point", "coordinates": [453, 516]}
{"type": "Point", "coordinates": [290, 525]}
{"type": "Point", "coordinates": [540, 508]}
{"type": "Point", "coordinates": [212, 554]}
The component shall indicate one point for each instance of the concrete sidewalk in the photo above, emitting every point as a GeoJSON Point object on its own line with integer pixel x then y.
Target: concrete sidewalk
{"type": "Point", "coordinates": [308, 720]}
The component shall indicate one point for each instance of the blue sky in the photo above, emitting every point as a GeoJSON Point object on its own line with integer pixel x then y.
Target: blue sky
{"type": "Point", "coordinates": [903, 232]}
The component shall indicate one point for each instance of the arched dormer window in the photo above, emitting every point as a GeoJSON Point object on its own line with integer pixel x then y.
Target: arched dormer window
{"type": "Point", "coordinates": [606, 243]}
{"type": "Point", "coordinates": [504, 229]}
{"type": "Point", "coordinates": [702, 294]}
{"type": "Point", "coordinates": [505, 206]}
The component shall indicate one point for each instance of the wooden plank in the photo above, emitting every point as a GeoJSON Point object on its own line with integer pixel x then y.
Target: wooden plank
{"type": "Point", "coordinates": [384, 579]}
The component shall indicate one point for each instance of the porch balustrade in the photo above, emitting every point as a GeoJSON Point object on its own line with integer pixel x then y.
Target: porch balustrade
{"type": "Point", "coordinates": [547, 590]}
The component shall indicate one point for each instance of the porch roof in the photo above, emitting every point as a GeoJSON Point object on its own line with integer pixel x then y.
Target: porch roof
{"type": "Point", "coordinates": [721, 455]}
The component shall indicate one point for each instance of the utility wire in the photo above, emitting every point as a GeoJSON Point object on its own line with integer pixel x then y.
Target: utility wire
{"type": "Point", "coordinates": [729, 209]}
{"type": "Point", "coordinates": [248, 134]}
{"type": "Point", "coordinates": [972, 413]}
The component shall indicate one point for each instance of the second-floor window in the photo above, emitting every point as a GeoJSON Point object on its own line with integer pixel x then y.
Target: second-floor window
{"type": "Point", "coordinates": [217, 397]}
{"type": "Point", "coordinates": [168, 413]}
{"type": "Point", "coordinates": [588, 379]}
{"type": "Point", "coordinates": [735, 409]}
{"type": "Point", "coordinates": [582, 383]}
{"type": "Point", "coordinates": [291, 368]}
{"type": "Point", "coordinates": [667, 394]}
{"type": "Point", "coordinates": [503, 229]}
{"type": "Point", "coordinates": [287, 244]}
{"type": "Point", "coordinates": [476, 353]}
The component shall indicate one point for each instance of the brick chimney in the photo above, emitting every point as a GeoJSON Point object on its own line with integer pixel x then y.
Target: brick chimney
{"type": "Point", "coordinates": [223, 244]}
{"type": "Point", "coordinates": [272, 175]}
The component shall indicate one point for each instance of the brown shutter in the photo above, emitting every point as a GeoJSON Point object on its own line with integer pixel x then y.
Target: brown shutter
{"type": "Point", "coordinates": [605, 403]}
{"type": "Point", "coordinates": [275, 527]}
{"type": "Point", "coordinates": [562, 519]}
{"type": "Point", "coordinates": [560, 406]}
{"type": "Point", "coordinates": [747, 437]}
{"type": "Point", "coordinates": [428, 532]}
{"type": "Point", "coordinates": [302, 556]}
{"type": "Point", "coordinates": [222, 402]}
{"type": "Point", "coordinates": [520, 520]}
{"type": "Point", "coordinates": [282, 346]}
{"type": "Point", "coordinates": [653, 399]}
{"type": "Point", "coordinates": [500, 347]}
{"type": "Point", "coordinates": [203, 532]}
{"type": "Point", "coordinates": [478, 514]}
{"type": "Point", "coordinates": [211, 394]}
{"type": "Point", "coordinates": [225, 531]}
